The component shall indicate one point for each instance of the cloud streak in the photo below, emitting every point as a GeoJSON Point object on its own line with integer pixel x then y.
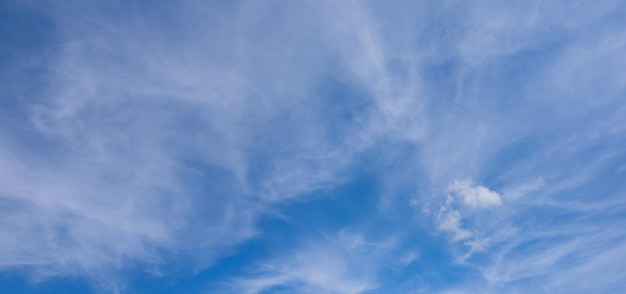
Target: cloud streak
{"type": "Point", "coordinates": [160, 137]}
{"type": "Point", "coordinates": [157, 140]}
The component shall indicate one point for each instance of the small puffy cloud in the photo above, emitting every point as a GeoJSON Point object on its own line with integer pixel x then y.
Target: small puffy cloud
{"type": "Point", "coordinates": [475, 196]}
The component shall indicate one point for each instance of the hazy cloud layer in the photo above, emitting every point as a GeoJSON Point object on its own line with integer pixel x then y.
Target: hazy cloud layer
{"type": "Point", "coordinates": [385, 147]}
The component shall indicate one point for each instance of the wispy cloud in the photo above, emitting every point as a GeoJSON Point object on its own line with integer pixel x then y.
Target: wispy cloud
{"type": "Point", "coordinates": [157, 138]}
{"type": "Point", "coordinates": [328, 265]}
{"type": "Point", "coordinates": [158, 134]}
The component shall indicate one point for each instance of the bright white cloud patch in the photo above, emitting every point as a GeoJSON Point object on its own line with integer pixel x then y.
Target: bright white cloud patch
{"type": "Point", "coordinates": [475, 196]}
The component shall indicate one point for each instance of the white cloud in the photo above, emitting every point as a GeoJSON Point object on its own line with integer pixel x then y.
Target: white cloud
{"type": "Point", "coordinates": [150, 142]}
{"type": "Point", "coordinates": [324, 266]}
{"type": "Point", "coordinates": [475, 196]}
{"type": "Point", "coordinates": [322, 273]}
{"type": "Point", "coordinates": [450, 221]}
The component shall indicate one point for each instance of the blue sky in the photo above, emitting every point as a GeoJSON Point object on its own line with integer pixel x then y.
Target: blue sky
{"type": "Point", "coordinates": [312, 146]}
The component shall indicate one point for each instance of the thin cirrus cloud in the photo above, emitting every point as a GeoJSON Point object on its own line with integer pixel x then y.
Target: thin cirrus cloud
{"type": "Point", "coordinates": [320, 146]}
{"type": "Point", "coordinates": [325, 267]}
